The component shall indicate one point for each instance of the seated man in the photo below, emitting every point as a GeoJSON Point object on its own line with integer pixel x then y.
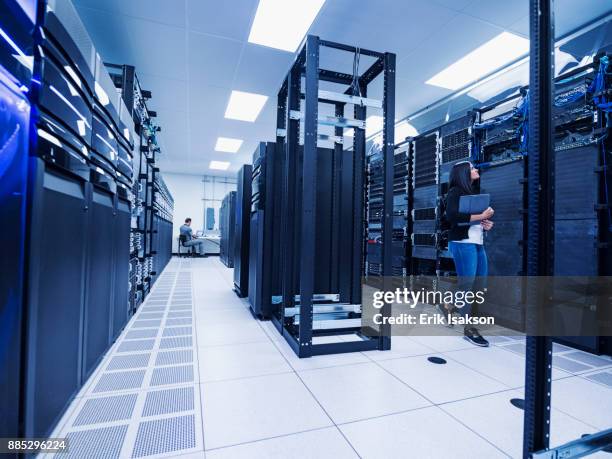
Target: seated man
{"type": "Point", "coordinates": [190, 241]}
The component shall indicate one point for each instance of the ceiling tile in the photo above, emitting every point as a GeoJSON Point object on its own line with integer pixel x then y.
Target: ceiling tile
{"type": "Point", "coordinates": [224, 19]}
{"type": "Point", "coordinates": [261, 69]}
{"type": "Point", "coordinates": [458, 37]}
{"type": "Point", "coordinates": [167, 93]}
{"type": "Point", "coordinates": [503, 13]}
{"type": "Point", "coordinates": [160, 11]}
{"type": "Point", "coordinates": [213, 61]}
{"type": "Point", "coordinates": [161, 49]}
{"type": "Point", "coordinates": [570, 14]}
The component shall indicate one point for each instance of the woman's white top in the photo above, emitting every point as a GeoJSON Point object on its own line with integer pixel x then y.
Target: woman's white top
{"type": "Point", "coordinates": [474, 235]}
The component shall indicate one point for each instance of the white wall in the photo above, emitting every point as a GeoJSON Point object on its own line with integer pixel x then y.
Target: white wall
{"type": "Point", "coordinates": [193, 194]}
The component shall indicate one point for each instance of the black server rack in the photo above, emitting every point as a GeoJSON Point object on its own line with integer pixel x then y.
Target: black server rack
{"type": "Point", "coordinates": [242, 232]}
{"type": "Point", "coordinates": [152, 204]}
{"type": "Point", "coordinates": [61, 191]}
{"type": "Point", "coordinates": [374, 194]}
{"type": "Point", "coordinates": [424, 215]}
{"type": "Point", "coordinates": [227, 227]}
{"type": "Point", "coordinates": [79, 185]}
{"type": "Point", "coordinates": [14, 134]}
{"type": "Point", "coordinates": [264, 229]}
{"type": "Point", "coordinates": [503, 172]}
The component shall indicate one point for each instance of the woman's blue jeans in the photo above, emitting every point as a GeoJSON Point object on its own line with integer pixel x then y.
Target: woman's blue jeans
{"type": "Point", "coordinates": [470, 263]}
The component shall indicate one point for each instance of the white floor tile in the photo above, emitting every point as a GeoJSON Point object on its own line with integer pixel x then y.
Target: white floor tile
{"type": "Point", "coordinates": [441, 383]}
{"type": "Point", "coordinates": [401, 346]}
{"type": "Point", "coordinates": [587, 401]}
{"type": "Point", "coordinates": [230, 333]}
{"type": "Point", "coordinates": [447, 343]}
{"type": "Point", "coordinates": [321, 443]}
{"type": "Point", "coordinates": [353, 392]}
{"type": "Point", "coordinates": [505, 367]}
{"type": "Point", "coordinates": [246, 410]}
{"type": "Point", "coordinates": [218, 363]}
{"type": "Point", "coordinates": [207, 317]}
{"type": "Point", "coordinates": [425, 433]}
{"type": "Point", "coordinates": [318, 361]}
{"type": "Point", "coordinates": [496, 419]}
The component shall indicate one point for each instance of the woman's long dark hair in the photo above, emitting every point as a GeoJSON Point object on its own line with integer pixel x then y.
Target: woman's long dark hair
{"type": "Point", "coordinates": [460, 176]}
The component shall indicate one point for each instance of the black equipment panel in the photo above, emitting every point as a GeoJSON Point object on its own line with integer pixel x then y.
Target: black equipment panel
{"type": "Point", "coordinates": [242, 232]}
{"type": "Point", "coordinates": [55, 297]}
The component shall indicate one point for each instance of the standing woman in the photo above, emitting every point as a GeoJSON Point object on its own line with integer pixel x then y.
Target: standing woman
{"type": "Point", "coordinates": [466, 237]}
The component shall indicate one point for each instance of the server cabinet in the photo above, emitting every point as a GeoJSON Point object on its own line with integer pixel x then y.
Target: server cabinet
{"type": "Point", "coordinates": [100, 279]}
{"type": "Point", "coordinates": [55, 294]}
{"type": "Point", "coordinates": [227, 220]}
{"type": "Point", "coordinates": [242, 231]}
{"type": "Point", "coordinates": [264, 242]}
{"type": "Point", "coordinates": [14, 120]}
{"type": "Point", "coordinates": [121, 305]}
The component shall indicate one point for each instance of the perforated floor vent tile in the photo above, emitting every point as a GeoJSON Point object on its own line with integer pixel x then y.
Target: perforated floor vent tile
{"type": "Point", "coordinates": [161, 309]}
{"type": "Point", "coordinates": [129, 362]}
{"type": "Point", "coordinates": [157, 301]}
{"type": "Point", "coordinates": [179, 321]}
{"type": "Point", "coordinates": [177, 331]}
{"type": "Point", "coordinates": [136, 345]}
{"type": "Point", "coordinates": [151, 315]}
{"type": "Point", "coordinates": [165, 376]}
{"type": "Point", "coordinates": [140, 334]}
{"type": "Point", "coordinates": [102, 443]}
{"type": "Point", "coordinates": [168, 401]}
{"type": "Point", "coordinates": [588, 359]}
{"type": "Point", "coordinates": [106, 409]}
{"type": "Point", "coordinates": [174, 357]}
{"type": "Point", "coordinates": [165, 435]}
{"type": "Point", "coordinates": [176, 342]}
{"type": "Point", "coordinates": [146, 323]}
{"type": "Point", "coordinates": [175, 314]}
{"type": "Point", "coordinates": [602, 378]}
{"type": "Point", "coordinates": [569, 365]}
{"type": "Point", "coordinates": [122, 380]}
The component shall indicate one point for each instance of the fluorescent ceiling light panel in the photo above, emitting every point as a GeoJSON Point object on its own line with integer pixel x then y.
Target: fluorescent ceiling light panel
{"type": "Point", "coordinates": [245, 106]}
{"type": "Point", "coordinates": [496, 53]}
{"type": "Point", "coordinates": [228, 145]}
{"type": "Point", "coordinates": [282, 24]}
{"type": "Point", "coordinates": [374, 124]}
{"type": "Point", "coordinates": [219, 165]}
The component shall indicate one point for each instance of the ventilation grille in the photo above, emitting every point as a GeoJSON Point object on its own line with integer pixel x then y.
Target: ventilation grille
{"type": "Point", "coordinates": [177, 331]}
{"type": "Point", "coordinates": [136, 345]}
{"type": "Point", "coordinates": [164, 436]}
{"type": "Point", "coordinates": [174, 357]}
{"type": "Point", "coordinates": [106, 409]}
{"type": "Point", "coordinates": [120, 381]}
{"type": "Point", "coordinates": [139, 334]}
{"type": "Point", "coordinates": [165, 376]}
{"type": "Point", "coordinates": [168, 401]}
{"type": "Point", "coordinates": [102, 443]}
{"type": "Point", "coordinates": [128, 362]}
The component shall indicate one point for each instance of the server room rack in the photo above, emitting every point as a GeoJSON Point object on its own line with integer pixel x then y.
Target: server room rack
{"type": "Point", "coordinates": [265, 231]}
{"type": "Point", "coordinates": [76, 141]}
{"type": "Point", "coordinates": [152, 203]}
{"type": "Point", "coordinates": [401, 229]}
{"type": "Point", "coordinates": [15, 81]}
{"type": "Point", "coordinates": [227, 227]}
{"type": "Point", "coordinates": [242, 232]}
{"type": "Point", "coordinates": [303, 312]}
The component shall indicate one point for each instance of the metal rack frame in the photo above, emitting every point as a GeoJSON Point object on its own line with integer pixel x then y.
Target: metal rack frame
{"type": "Point", "coordinates": [540, 240]}
{"type": "Point", "coordinates": [288, 125]}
